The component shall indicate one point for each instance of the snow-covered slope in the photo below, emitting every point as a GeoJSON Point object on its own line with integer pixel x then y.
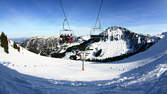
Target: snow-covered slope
{"type": "Point", "coordinates": [50, 68]}
{"type": "Point", "coordinates": [12, 82]}
{"type": "Point", "coordinates": [59, 69]}
{"type": "Point", "coordinates": [144, 73]}
{"type": "Point", "coordinates": [109, 49]}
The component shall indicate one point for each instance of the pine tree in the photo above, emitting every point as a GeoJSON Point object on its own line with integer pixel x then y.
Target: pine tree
{"type": "Point", "coordinates": [15, 46]}
{"type": "Point", "coordinates": [4, 42]}
{"type": "Point", "coordinates": [0, 40]}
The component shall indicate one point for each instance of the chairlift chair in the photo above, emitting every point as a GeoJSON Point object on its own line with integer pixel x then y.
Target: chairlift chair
{"type": "Point", "coordinates": [64, 29]}
{"type": "Point", "coordinates": [96, 30]}
{"type": "Point", "coordinates": [66, 33]}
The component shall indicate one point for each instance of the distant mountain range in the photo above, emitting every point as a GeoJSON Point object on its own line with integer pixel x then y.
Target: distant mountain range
{"type": "Point", "coordinates": [19, 40]}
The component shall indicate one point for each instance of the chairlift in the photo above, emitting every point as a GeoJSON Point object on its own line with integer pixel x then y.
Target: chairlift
{"type": "Point", "coordinates": [66, 34]}
{"type": "Point", "coordinates": [64, 29]}
{"type": "Point", "coordinates": [96, 32]}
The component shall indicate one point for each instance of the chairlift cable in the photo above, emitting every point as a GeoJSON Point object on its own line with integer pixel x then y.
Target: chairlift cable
{"type": "Point", "coordinates": [65, 16]}
{"type": "Point", "coordinates": [98, 15]}
{"type": "Point", "coordinates": [97, 25]}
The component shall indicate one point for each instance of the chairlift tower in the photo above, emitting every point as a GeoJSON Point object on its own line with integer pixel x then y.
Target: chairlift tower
{"type": "Point", "coordinates": [83, 58]}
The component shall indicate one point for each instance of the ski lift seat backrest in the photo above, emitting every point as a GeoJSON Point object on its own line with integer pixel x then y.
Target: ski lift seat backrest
{"type": "Point", "coordinates": [65, 27]}
{"type": "Point", "coordinates": [96, 31]}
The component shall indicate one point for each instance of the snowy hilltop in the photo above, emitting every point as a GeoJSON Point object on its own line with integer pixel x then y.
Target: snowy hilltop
{"type": "Point", "coordinates": [144, 73]}
{"type": "Point", "coordinates": [119, 41]}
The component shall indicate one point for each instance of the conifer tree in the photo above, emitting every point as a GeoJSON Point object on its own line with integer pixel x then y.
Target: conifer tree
{"type": "Point", "coordinates": [15, 46]}
{"type": "Point", "coordinates": [4, 42]}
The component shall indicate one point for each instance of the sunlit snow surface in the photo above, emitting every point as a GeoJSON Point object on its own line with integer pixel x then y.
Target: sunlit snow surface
{"type": "Point", "coordinates": [144, 73]}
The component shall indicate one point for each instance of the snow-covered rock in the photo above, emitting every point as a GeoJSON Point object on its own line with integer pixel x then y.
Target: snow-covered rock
{"type": "Point", "coordinates": [47, 45]}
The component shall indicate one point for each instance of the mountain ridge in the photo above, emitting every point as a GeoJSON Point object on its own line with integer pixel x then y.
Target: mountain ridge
{"type": "Point", "coordinates": [125, 40]}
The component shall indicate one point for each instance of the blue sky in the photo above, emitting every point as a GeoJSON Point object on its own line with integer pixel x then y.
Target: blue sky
{"type": "Point", "coordinates": [25, 18]}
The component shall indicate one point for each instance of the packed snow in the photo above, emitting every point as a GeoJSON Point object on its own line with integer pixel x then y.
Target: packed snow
{"type": "Point", "coordinates": [58, 69]}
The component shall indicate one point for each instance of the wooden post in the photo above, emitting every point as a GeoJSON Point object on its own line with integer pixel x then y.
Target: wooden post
{"type": "Point", "coordinates": [83, 60]}
{"type": "Point", "coordinates": [83, 67]}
